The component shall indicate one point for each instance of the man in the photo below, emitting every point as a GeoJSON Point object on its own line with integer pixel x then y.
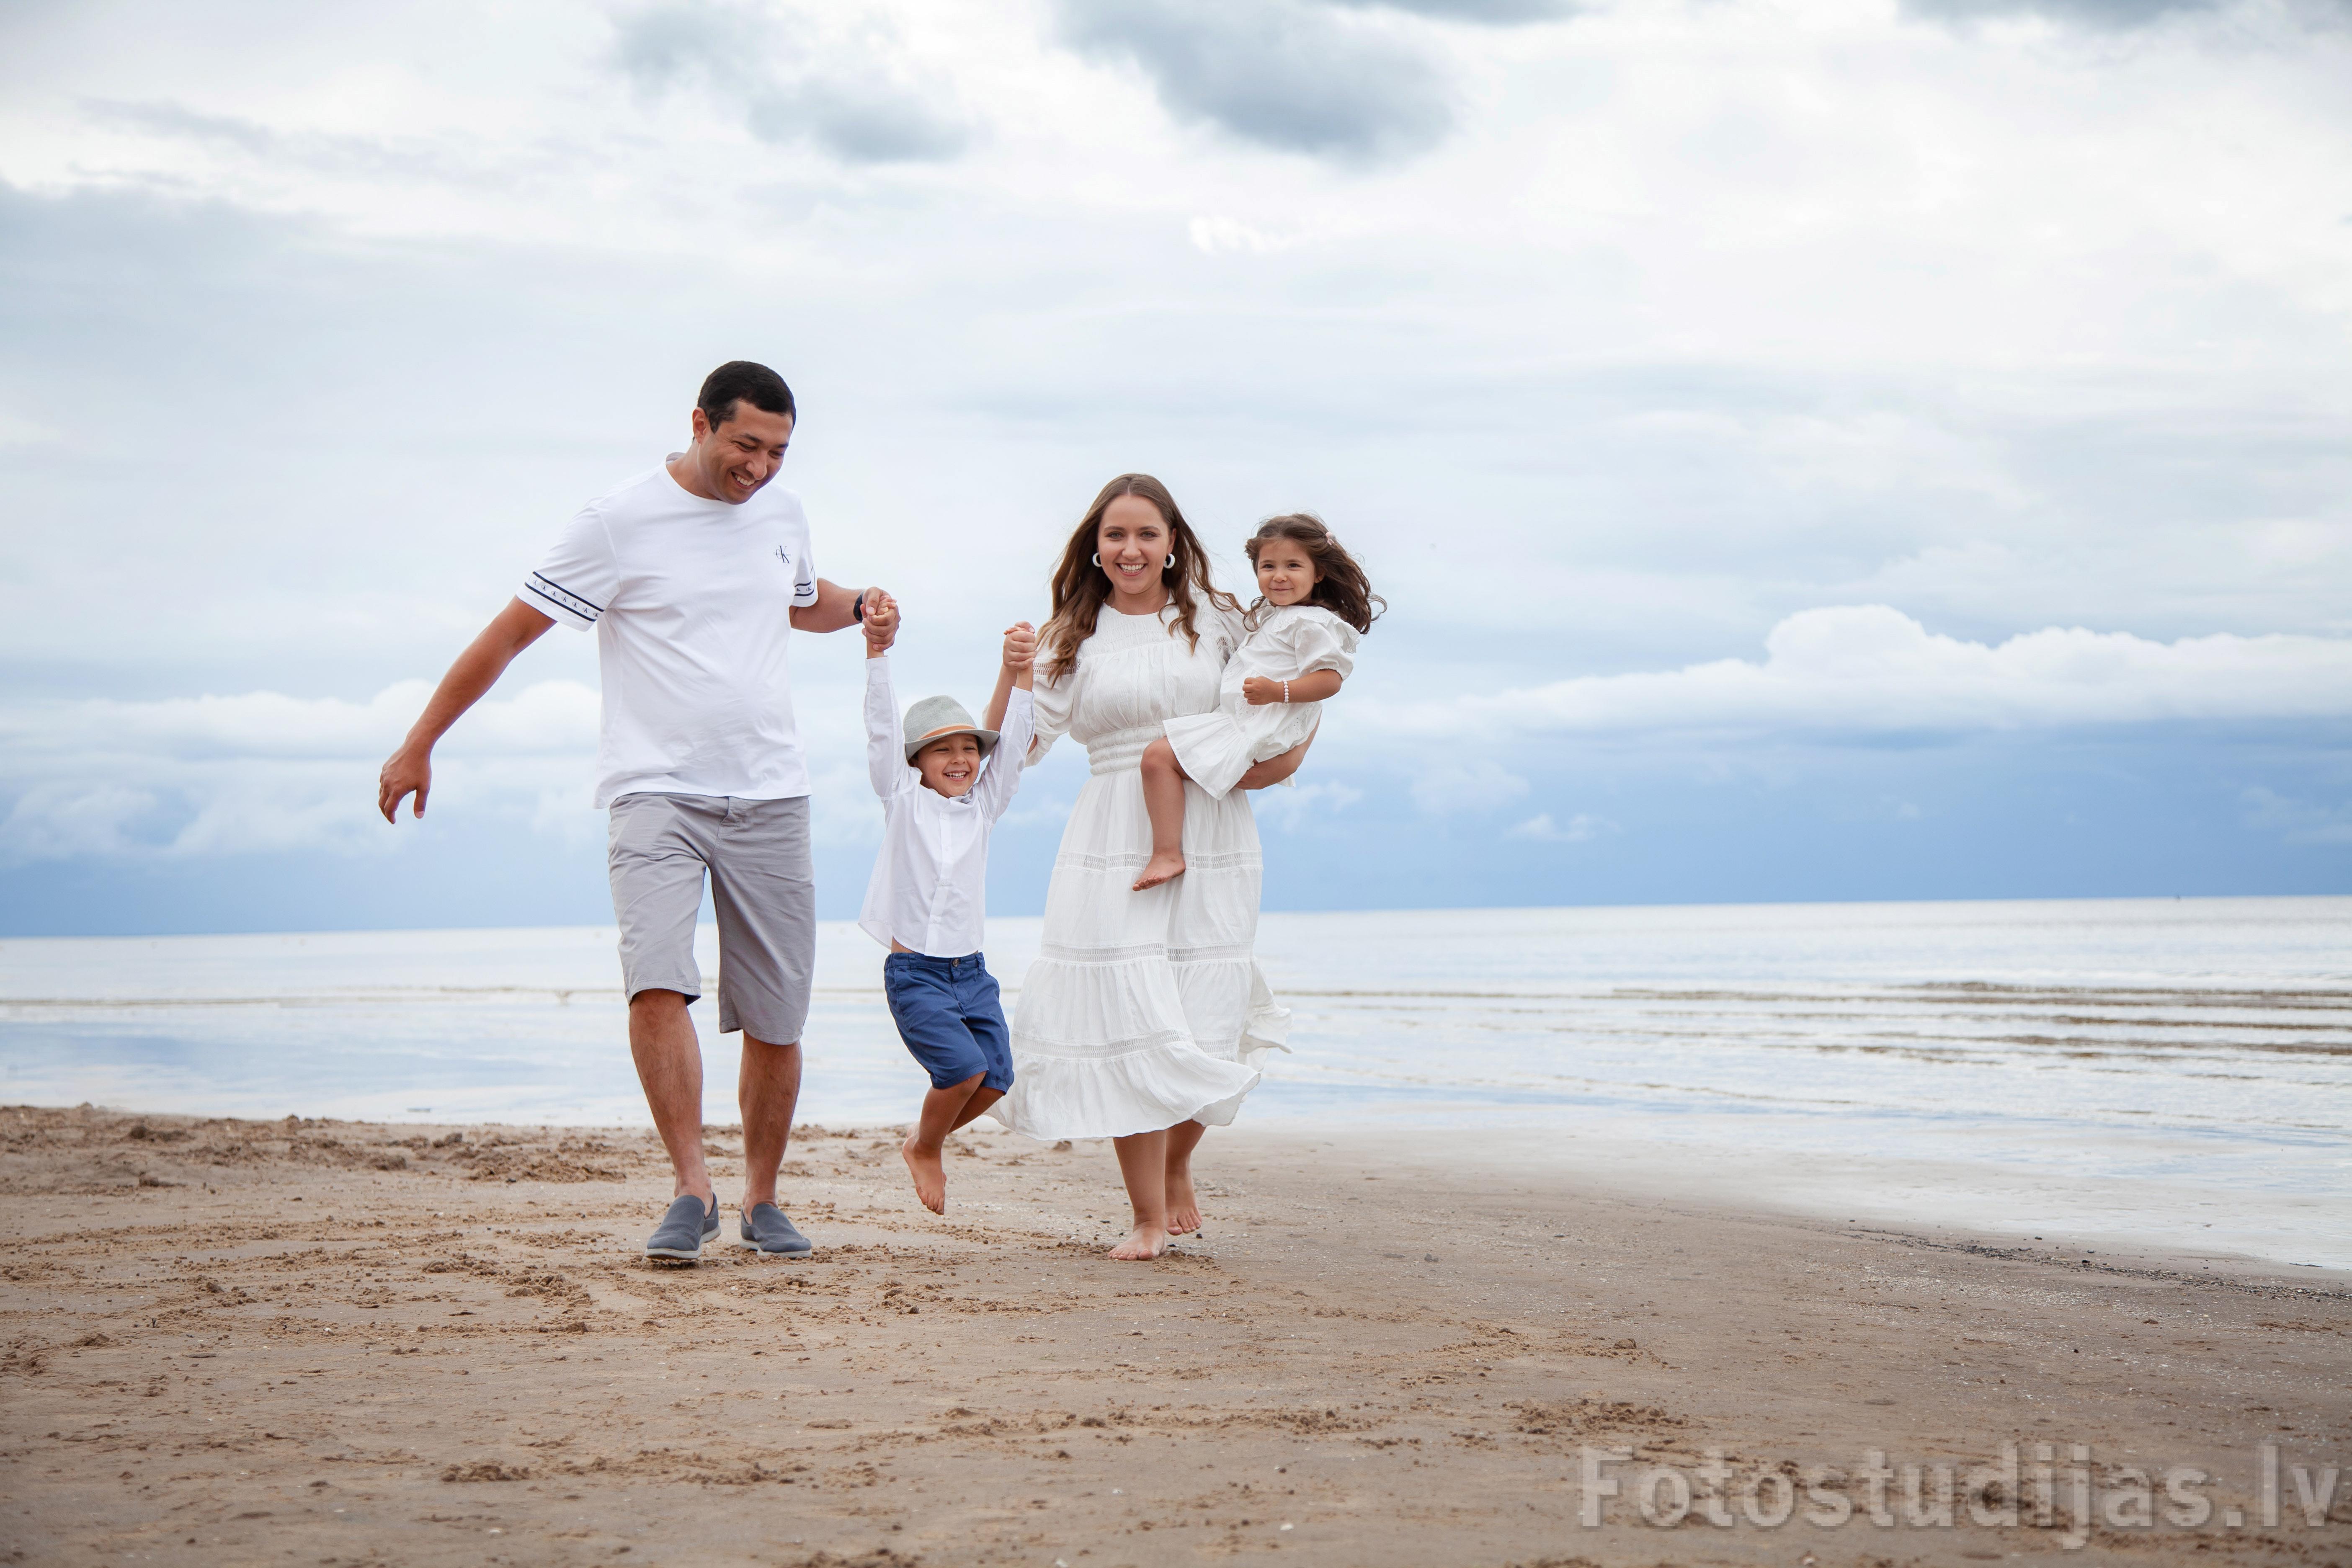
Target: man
{"type": "Point", "coordinates": [694, 574]}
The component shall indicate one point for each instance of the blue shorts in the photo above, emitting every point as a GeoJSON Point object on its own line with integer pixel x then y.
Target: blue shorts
{"type": "Point", "coordinates": [947, 1012]}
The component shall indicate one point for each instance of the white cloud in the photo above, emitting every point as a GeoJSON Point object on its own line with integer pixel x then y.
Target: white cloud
{"type": "Point", "coordinates": [1580, 828]}
{"type": "Point", "coordinates": [1217, 234]}
{"type": "Point", "coordinates": [546, 717]}
{"type": "Point", "coordinates": [1868, 668]}
{"type": "Point", "coordinates": [843, 87]}
{"type": "Point", "coordinates": [1449, 787]}
{"type": "Point", "coordinates": [16, 431]}
{"type": "Point", "coordinates": [57, 821]}
{"type": "Point", "coordinates": [2296, 821]}
{"type": "Point", "coordinates": [1284, 74]}
{"type": "Point", "coordinates": [1611, 342]}
{"type": "Point", "coordinates": [1303, 804]}
{"type": "Point", "coordinates": [262, 772]}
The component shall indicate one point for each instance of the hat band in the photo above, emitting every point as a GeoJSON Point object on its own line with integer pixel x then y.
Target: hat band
{"type": "Point", "coordinates": [944, 729]}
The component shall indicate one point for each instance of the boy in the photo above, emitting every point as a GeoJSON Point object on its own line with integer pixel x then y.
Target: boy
{"type": "Point", "coordinates": [943, 781]}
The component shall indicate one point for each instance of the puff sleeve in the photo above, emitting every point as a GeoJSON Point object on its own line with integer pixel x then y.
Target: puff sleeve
{"type": "Point", "coordinates": [1317, 639]}
{"type": "Point", "coordinates": [1052, 704]}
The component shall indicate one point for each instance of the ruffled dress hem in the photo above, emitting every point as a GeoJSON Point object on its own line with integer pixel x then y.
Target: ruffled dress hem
{"type": "Point", "coordinates": [1267, 1029]}
{"type": "Point", "coordinates": [1115, 1095]}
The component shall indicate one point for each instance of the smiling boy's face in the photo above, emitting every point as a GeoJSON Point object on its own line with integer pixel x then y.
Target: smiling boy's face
{"type": "Point", "coordinates": [949, 767]}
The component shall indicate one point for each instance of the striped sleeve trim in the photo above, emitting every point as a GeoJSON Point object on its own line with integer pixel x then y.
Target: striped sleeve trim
{"type": "Point", "coordinates": [571, 604]}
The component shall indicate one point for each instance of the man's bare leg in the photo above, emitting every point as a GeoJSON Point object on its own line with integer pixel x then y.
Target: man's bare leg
{"type": "Point", "coordinates": [1164, 803]}
{"type": "Point", "coordinates": [944, 1111]}
{"type": "Point", "coordinates": [1183, 1208]}
{"type": "Point", "coordinates": [669, 1066]}
{"type": "Point", "coordinates": [768, 1090]}
{"type": "Point", "coordinates": [1143, 1165]}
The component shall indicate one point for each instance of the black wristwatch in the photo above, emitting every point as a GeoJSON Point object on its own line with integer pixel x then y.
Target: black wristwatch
{"type": "Point", "coordinates": [859, 613]}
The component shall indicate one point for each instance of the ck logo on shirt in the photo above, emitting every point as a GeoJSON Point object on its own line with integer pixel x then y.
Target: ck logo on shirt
{"type": "Point", "coordinates": [783, 555]}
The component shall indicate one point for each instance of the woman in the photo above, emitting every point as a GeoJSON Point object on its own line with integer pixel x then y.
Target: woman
{"type": "Point", "coordinates": [1144, 1013]}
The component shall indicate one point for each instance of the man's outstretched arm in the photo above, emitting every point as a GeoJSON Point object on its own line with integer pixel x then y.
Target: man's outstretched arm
{"type": "Point", "coordinates": [410, 769]}
{"type": "Point", "coordinates": [835, 607]}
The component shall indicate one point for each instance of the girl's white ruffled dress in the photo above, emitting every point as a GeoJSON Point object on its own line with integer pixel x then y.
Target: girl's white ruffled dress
{"type": "Point", "coordinates": [1287, 641]}
{"type": "Point", "coordinates": [1142, 1009]}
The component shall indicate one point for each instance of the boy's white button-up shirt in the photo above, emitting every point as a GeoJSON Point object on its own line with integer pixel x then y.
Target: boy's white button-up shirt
{"type": "Point", "coordinates": [930, 887]}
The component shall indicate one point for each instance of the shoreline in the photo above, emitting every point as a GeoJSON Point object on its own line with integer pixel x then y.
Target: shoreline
{"type": "Point", "coordinates": [1910, 1195]}
{"type": "Point", "coordinates": [1406, 1360]}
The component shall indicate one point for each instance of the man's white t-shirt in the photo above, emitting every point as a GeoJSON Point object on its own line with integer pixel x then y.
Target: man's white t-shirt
{"type": "Point", "coordinates": [691, 600]}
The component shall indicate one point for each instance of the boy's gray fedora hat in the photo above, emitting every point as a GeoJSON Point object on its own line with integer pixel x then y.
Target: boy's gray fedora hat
{"type": "Point", "coordinates": [937, 718]}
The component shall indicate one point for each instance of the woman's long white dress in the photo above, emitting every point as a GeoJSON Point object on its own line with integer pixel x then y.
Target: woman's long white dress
{"type": "Point", "coordinates": [1142, 1009]}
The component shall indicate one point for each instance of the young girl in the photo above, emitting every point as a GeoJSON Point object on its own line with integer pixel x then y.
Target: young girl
{"type": "Point", "coordinates": [1313, 601]}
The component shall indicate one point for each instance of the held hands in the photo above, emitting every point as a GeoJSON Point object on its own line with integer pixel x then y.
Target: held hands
{"type": "Point", "coordinates": [1257, 691]}
{"type": "Point", "coordinates": [1020, 660]}
{"type": "Point", "coordinates": [881, 623]}
{"type": "Point", "coordinates": [1020, 647]}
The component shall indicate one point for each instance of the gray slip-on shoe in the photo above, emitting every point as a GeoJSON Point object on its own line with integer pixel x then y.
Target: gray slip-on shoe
{"type": "Point", "coordinates": [685, 1227]}
{"type": "Point", "coordinates": [766, 1228]}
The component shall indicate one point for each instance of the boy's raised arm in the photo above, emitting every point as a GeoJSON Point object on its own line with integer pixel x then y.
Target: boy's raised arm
{"type": "Point", "coordinates": [885, 756]}
{"type": "Point", "coordinates": [1018, 669]}
{"type": "Point", "coordinates": [1012, 714]}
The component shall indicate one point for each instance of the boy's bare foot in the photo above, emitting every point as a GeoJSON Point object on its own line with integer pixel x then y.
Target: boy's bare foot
{"type": "Point", "coordinates": [1183, 1207]}
{"type": "Point", "coordinates": [1143, 1244]}
{"type": "Point", "coordinates": [1165, 866]}
{"type": "Point", "coordinates": [930, 1176]}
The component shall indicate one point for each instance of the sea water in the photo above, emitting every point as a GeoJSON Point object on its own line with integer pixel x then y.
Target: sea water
{"type": "Point", "coordinates": [2173, 1072]}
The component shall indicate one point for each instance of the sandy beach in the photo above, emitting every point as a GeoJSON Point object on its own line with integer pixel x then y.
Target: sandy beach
{"type": "Point", "coordinates": [340, 1342]}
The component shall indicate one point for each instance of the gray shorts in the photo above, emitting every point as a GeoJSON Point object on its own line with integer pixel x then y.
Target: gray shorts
{"type": "Point", "coordinates": [757, 854]}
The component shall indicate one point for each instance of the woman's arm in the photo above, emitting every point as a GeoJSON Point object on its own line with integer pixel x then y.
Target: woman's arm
{"type": "Point", "coordinates": [1315, 686]}
{"type": "Point", "coordinates": [1274, 770]}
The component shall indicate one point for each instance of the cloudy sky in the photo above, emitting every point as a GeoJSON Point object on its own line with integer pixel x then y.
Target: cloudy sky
{"type": "Point", "coordinates": [1811, 448]}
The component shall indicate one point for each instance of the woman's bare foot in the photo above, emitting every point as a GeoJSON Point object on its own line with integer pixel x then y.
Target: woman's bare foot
{"type": "Point", "coordinates": [1183, 1207]}
{"type": "Point", "coordinates": [1165, 866]}
{"type": "Point", "coordinates": [1143, 1244]}
{"type": "Point", "coordinates": [930, 1176]}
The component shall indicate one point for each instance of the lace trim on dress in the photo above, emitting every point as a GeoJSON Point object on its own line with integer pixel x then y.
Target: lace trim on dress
{"type": "Point", "coordinates": [1140, 953]}
{"type": "Point", "coordinates": [1132, 859]}
{"type": "Point", "coordinates": [1142, 1044]}
{"type": "Point", "coordinates": [1239, 953]}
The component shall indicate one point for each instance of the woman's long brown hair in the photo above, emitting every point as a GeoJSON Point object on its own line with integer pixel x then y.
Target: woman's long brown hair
{"type": "Point", "coordinates": [1081, 587]}
{"type": "Point", "coordinates": [1340, 585]}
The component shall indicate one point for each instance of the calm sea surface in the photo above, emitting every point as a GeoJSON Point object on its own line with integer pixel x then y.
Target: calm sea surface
{"type": "Point", "coordinates": [2164, 1072]}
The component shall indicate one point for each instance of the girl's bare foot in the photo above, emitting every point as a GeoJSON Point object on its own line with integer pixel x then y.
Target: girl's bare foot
{"type": "Point", "coordinates": [1183, 1207]}
{"type": "Point", "coordinates": [1143, 1244]}
{"type": "Point", "coordinates": [930, 1176]}
{"type": "Point", "coordinates": [1165, 866]}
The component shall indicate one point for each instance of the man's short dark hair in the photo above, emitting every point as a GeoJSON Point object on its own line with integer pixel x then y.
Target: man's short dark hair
{"type": "Point", "coordinates": [741, 381]}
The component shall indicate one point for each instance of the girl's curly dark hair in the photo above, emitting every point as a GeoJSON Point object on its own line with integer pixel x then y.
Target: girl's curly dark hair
{"type": "Point", "coordinates": [1340, 585]}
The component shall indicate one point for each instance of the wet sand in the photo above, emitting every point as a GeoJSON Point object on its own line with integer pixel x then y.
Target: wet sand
{"type": "Point", "coordinates": [337, 1343]}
